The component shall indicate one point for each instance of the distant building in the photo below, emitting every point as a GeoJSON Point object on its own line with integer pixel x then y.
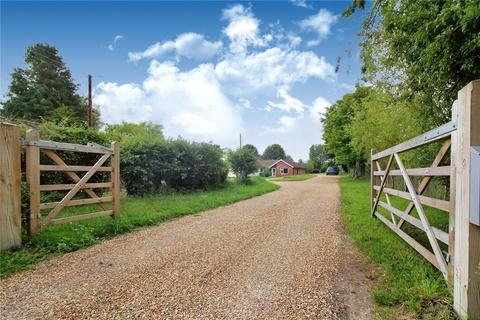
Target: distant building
{"type": "Point", "coordinates": [277, 168]}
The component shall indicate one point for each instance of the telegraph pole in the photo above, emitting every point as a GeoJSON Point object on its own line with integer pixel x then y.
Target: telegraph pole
{"type": "Point", "coordinates": [89, 107]}
{"type": "Point", "coordinates": [240, 141]}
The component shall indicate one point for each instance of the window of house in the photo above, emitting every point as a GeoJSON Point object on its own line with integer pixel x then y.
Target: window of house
{"type": "Point", "coordinates": [284, 171]}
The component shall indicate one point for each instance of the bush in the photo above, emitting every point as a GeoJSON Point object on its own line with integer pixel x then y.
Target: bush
{"type": "Point", "coordinates": [243, 162]}
{"type": "Point", "coordinates": [149, 166]}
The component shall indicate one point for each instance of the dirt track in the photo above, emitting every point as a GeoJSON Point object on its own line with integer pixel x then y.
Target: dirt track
{"type": "Point", "coordinates": [283, 255]}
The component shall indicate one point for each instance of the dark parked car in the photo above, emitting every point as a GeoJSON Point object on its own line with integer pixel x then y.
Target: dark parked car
{"type": "Point", "coordinates": [331, 171]}
{"type": "Point", "coordinates": [316, 171]}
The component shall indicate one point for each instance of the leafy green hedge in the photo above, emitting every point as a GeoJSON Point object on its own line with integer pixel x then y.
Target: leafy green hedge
{"type": "Point", "coordinates": [149, 166]}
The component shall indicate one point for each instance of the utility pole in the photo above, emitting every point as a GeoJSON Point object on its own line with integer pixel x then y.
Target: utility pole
{"type": "Point", "coordinates": [240, 141]}
{"type": "Point", "coordinates": [89, 107]}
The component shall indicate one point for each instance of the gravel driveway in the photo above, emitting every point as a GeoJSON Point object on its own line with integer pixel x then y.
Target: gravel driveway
{"type": "Point", "coordinates": [283, 255]}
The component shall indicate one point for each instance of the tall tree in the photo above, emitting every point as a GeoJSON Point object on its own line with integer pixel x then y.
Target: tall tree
{"type": "Point", "coordinates": [424, 50]}
{"type": "Point", "coordinates": [252, 148]}
{"type": "Point", "coordinates": [274, 152]}
{"type": "Point", "coordinates": [318, 155]}
{"type": "Point", "coordinates": [44, 89]}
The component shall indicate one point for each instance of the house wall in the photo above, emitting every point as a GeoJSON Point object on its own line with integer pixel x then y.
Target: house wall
{"type": "Point", "coordinates": [279, 166]}
{"type": "Point", "coordinates": [300, 171]}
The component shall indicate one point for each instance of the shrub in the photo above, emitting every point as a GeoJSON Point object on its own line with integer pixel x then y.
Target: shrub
{"type": "Point", "coordinates": [243, 162]}
{"type": "Point", "coordinates": [147, 166]}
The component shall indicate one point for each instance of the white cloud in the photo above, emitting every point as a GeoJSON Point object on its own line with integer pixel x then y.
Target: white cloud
{"type": "Point", "coordinates": [300, 3]}
{"type": "Point", "coordinates": [244, 103]}
{"type": "Point", "coordinates": [269, 69]}
{"type": "Point", "coordinates": [190, 45]}
{"type": "Point", "coordinates": [243, 29]}
{"type": "Point", "coordinates": [111, 46]}
{"type": "Point", "coordinates": [287, 122]}
{"type": "Point", "coordinates": [188, 103]}
{"type": "Point", "coordinates": [288, 103]}
{"type": "Point", "coordinates": [319, 23]}
{"type": "Point", "coordinates": [319, 106]}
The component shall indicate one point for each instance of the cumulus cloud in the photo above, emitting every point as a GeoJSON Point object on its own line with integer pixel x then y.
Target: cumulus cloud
{"type": "Point", "coordinates": [188, 103]}
{"type": "Point", "coordinates": [318, 108]}
{"type": "Point", "coordinates": [269, 69]}
{"type": "Point", "coordinates": [242, 29]}
{"type": "Point", "coordinates": [189, 45]}
{"type": "Point", "coordinates": [319, 23]}
{"type": "Point", "coordinates": [112, 45]}
{"type": "Point", "coordinates": [300, 3]}
{"type": "Point", "coordinates": [287, 104]}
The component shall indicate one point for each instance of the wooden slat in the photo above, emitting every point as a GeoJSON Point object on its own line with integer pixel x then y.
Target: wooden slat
{"type": "Point", "coordinates": [410, 144]}
{"type": "Point", "coordinates": [32, 161]}
{"type": "Point", "coordinates": [431, 202]}
{"type": "Point", "coordinates": [382, 184]}
{"type": "Point", "coordinates": [412, 242]}
{"type": "Point", "coordinates": [57, 187]}
{"type": "Point", "coordinates": [72, 175]}
{"type": "Point", "coordinates": [51, 145]}
{"type": "Point", "coordinates": [423, 217]}
{"type": "Point", "coordinates": [82, 217]}
{"type": "Point", "coordinates": [442, 153]}
{"type": "Point", "coordinates": [72, 168]}
{"type": "Point", "coordinates": [435, 171]}
{"type": "Point", "coordinates": [78, 202]}
{"type": "Point", "coordinates": [79, 185]}
{"type": "Point", "coordinates": [116, 179]}
{"type": "Point", "coordinates": [387, 196]}
{"type": "Point", "coordinates": [439, 234]}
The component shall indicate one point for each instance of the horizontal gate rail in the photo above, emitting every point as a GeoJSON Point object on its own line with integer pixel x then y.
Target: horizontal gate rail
{"type": "Point", "coordinates": [431, 202]}
{"type": "Point", "coordinates": [423, 172]}
{"type": "Point", "coordinates": [444, 132]}
{"type": "Point", "coordinates": [51, 145]}
{"type": "Point", "coordinates": [45, 167]}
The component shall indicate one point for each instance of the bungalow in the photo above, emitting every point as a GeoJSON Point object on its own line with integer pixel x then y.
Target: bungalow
{"type": "Point", "coordinates": [281, 167]}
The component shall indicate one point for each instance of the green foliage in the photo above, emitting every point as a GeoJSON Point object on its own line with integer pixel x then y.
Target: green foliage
{"type": "Point", "coordinates": [424, 50]}
{"type": "Point", "coordinates": [127, 132]}
{"type": "Point", "coordinates": [318, 156]}
{"type": "Point", "coordinates": [243, 162]}
{"type": "Point", "coordinates": [44, 90]}
{"type": "Point", "coordinates": [252, 148]}
{"type": "Point", "coordinates": [274, 152]}
{"type": "Point", "coordinates": [337, 134]}
{"type": "Point", "coordinates": [136, 212]}
{"type": "Point", "coordinates": [147, 166]}
{"type": "Point", "coordinates": [407, 285]}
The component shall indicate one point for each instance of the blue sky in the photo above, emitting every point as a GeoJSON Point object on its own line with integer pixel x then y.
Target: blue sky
{"type": "Point", "coordinates": [206, 71]}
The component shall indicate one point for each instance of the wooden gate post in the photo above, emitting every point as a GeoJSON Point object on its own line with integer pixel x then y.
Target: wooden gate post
{"type": "Point", "coordinates": [33, 180]}
{"type": "Point", "coordinates": [467, 235]}
{"type": "Point", "coordinates": [116, 180]}
{"type": "Point", "coordinates": [10, 180]}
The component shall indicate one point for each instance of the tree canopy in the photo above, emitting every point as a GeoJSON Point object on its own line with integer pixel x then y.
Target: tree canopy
{"type": "Point", "coordinates": [44, 89]}
{"type": "Point", "coordinates": [422, 50]}
{"type": "Point", "coordinates": [243, 162]}
{"type": "Point", "coordinates": [274, 152]}
{"type": "Point", "coordinates": [252, 148]}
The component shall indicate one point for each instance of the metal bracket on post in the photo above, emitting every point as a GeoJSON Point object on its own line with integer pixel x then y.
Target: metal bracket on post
{"type": "Point", "coordinates": [440, 131]}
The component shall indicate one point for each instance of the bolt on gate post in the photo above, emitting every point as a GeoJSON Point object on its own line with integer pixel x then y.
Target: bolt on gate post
{"type": "Point", "coordinates": [10, 177]}
{"type": "Point", "coordinates": [467, 234]}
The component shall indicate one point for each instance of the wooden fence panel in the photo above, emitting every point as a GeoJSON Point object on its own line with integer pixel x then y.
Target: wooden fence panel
{"type": "Point", "coordinates": [10, 177]}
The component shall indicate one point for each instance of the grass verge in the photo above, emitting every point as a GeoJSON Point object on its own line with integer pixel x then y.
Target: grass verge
{"type": "Point", "coordinates": [136, 212]}
{"type": "Point", "coordinates": [407, 285]}
{"type": "Point", "coordinates": [300, 177]}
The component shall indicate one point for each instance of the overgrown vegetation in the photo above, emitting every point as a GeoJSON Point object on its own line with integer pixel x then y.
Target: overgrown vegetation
{"type": "Point", "coordinates": [407, 285]}
{"type": "Point", "coordinates": [136, 212]}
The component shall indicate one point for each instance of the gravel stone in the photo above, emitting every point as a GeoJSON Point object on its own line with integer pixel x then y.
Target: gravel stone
{"type": "Point", "coordinates": [283, 255]}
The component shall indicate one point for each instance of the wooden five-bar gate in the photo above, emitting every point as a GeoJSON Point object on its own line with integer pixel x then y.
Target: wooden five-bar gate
{"type": "Point", "coordinates": [34, 148]}
{"type": "Point", "coordinates": [460, 261]}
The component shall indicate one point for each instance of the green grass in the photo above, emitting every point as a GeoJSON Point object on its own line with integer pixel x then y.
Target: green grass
{"type": "Point", "coordinates": [300, 177]}
{"type": "Point", "coordinates": [136, 212]}
{"type": "Point", "coordinates": [407, 285]}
